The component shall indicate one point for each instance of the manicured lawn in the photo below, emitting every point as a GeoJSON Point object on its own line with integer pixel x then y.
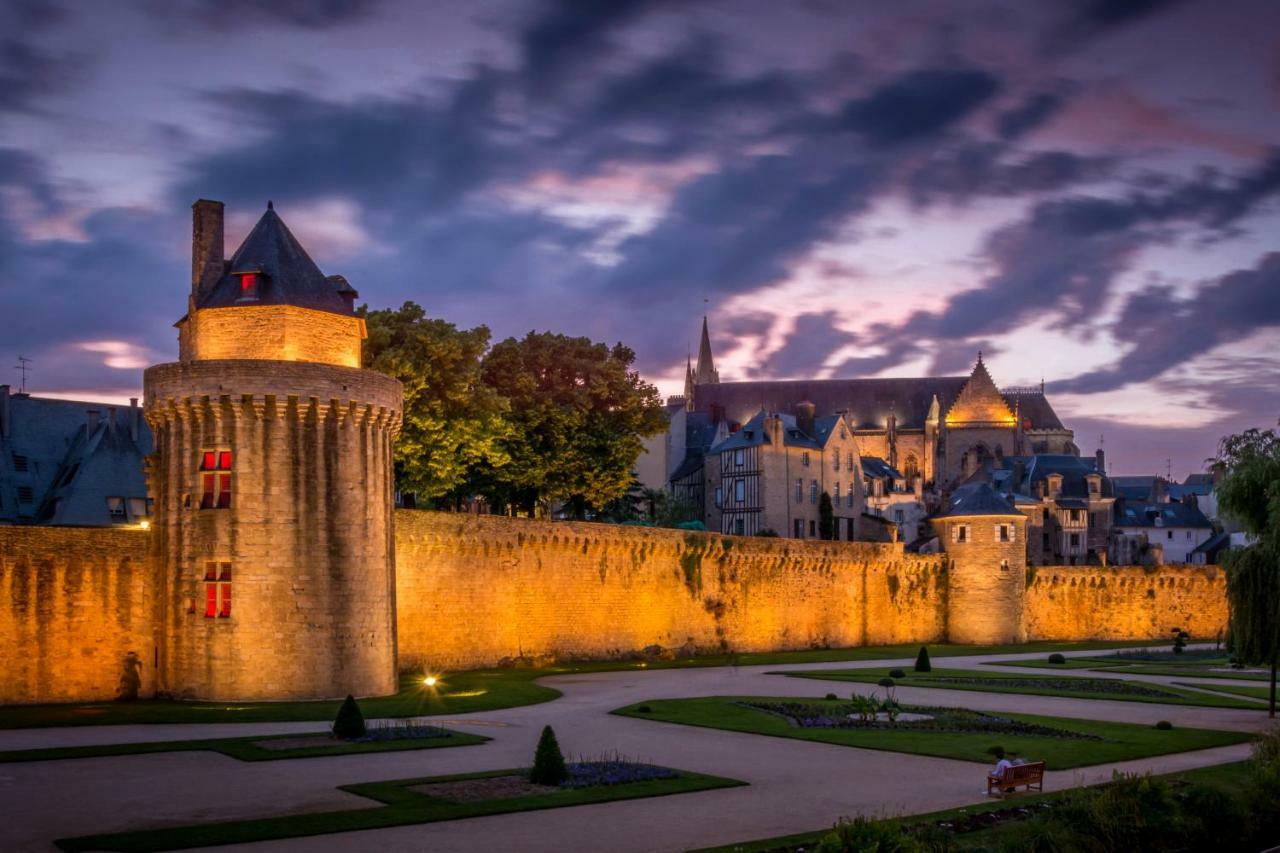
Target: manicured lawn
{"type": "Point", "coordinates": [1238, 689]}
{"type": "Point", "coordinates": [1073, 686]}
{"type": "Point", "coordinates": [400, 806]}
{"type": "Point", "coordinates": [460, 693]}
{"type": "Point", "coordinates": [245, 748]}
{"type": "Point", "coordinates": [1115, 741]}
{"type": "Point", "coordinates": [1228, 778]}
{"type": "Point", "coordinates": [1205, 671]}
{"type": "Point", "coordinates": [466, 692]}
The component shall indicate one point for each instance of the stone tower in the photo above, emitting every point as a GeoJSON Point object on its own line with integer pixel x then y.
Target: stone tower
{"type": "Point", "coordinates": [273, 530]}
{"type": "Point", "coordinates": [985, 540]}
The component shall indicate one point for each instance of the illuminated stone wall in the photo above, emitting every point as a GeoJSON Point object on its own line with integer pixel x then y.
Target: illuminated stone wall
{"type": "Point", "coordinates": [75, 614]}
{"type": "Point", "coordinates": [271, 332]}
{"type": "Point", "coordinates": [473, 590]}
{"type": "Point", "coordinates": [1123, 602]}
{"type": "Point", "coordinates": [308, 533]}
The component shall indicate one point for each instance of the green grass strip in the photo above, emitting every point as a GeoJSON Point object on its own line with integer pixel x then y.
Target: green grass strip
{"type": "Point", "coordinates": [399, 806]}
{"type": "Point", "coordinates": [1120, 741]}
{"type": "Point", "coordinates": [244, 748]}
{"type": "Point", "coordinates": [471, 691]}
{"type": "Point", "coordinates": [1237, 689]}
{"type": "Point", "coordinates": [985, 681]}
{"type": "Point", "coordinates": [1229, 778]}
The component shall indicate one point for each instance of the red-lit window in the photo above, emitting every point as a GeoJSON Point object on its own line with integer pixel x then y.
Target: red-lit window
{"type": "Point", "coordinates": [249, 286]}
{"type": "Point", "coordinates": [217, 590]}
{"type": "Point", "coordinates": [215, 479]}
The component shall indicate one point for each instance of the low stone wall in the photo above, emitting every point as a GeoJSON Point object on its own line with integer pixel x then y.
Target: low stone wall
{"type": "Point", "coordinates": [1125, 602]}
{"type": "Point", "coordinates": [76, 620]}
{"type": "Point", "coordinates": [474, 590]}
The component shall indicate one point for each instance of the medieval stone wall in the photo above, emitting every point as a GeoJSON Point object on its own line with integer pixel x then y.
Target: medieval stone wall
{"type": "Point", "coordinates": [1123, 602]}
{"type": "Point", "coordinates": [76, 614]}
{"type": "Point", "coordinates": [472, 590]}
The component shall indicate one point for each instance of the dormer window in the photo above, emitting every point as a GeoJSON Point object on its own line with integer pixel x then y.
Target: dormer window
{"type": "Point", "coordinates": [249, 285]}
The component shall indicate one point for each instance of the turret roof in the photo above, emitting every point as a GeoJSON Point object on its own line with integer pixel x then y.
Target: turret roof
{"type": "Point", "coordinates": [289, 276]}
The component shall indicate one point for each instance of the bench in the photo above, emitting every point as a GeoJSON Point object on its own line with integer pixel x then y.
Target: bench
{"type": "Point", "coordinates": [1030, 775]}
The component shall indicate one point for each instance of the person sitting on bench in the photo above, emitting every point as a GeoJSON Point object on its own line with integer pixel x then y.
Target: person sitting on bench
{"type": "Point", "coordinates": [1002, 764]}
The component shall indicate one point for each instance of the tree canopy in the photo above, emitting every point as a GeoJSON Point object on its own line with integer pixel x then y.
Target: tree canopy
{"type": "Point", "coordinates": [580, 415]}
{"type": "Point", "coordinates": [1249, 494]}
{"type": "Point", "coordinates": [452, 420]}
{"type": "Point", "coordinates": [544, 418]}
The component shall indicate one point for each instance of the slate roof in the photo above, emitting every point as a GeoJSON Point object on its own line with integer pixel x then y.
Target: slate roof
{"type": "Point", "coordinates": [874, 466]}
{"type": "Point", "coordinates": [977, 499]}
{"type": "Point", "coordinates": [67, 461]}
{"type": "Point", "coordinates": [1134, 488]}
{"type": "Point", "coordinates": [867, 401]}
{"type": "Point", "coordinates": [1211, 546]}
{"type": "Point", "coordinates": [289, 276]}
{"type": "Point", "coordinates": [753, 434]}
{"type": "Point", "coordinates": [1141, 514]}
{"type": "Point", "coordinates": [1073, 469]}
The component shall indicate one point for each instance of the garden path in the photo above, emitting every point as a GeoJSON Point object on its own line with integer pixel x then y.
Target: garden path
{"type": "Point", "coordinates": [795, 785]}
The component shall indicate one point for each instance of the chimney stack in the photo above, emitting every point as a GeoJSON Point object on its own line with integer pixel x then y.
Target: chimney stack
{"type": "Point", "coordinates": [4, 411]}
{"type": "Point", "coordinates": [1100, 461]}
{"type": "Point", "coordinates": [804, 417]}
{"type": "Point", "coordinates": [133, 419]}
{"type": "Point", "coordinates": [207, 246]}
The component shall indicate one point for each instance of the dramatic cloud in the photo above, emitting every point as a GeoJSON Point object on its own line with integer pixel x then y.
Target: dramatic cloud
{"type": "Point", "coordinates": [1162, 330]}
{"type": "Point", "coordinates": [814, 337]}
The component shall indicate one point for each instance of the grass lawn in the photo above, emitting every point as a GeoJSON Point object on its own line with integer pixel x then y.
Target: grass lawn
{"type": "Point", "coordinates": [1229, 778]}
{"type": "Point", "coordinates": [1238, 689]}
{"type": "Point", "coordinates": [1120, 741]}
{"type": "Point", "coordinates": [460, 693]}
{"type": "Point", "coordinates": [465, 692]}
{"type": "Point", "coordinates": [400, 806]}
{"type": "Point", "coordinates": [245, 748]}
{"type": "Point", "coordinates": [1039, 685]}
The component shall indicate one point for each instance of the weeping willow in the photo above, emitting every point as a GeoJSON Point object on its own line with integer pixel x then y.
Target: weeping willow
{"type": "Point", "coordinates": [1253, 591]}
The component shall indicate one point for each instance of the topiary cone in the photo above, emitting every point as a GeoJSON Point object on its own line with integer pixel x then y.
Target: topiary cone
{"type": "Point", "coordinates": [548, 763]}
{"type": "Point", "coordinates": [349, 724]}
{"type": "Point", "coordinates": [922, 660]}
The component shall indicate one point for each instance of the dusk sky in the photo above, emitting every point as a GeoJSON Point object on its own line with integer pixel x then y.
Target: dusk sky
{"type": "Point", "coordinates": [1087, 192]}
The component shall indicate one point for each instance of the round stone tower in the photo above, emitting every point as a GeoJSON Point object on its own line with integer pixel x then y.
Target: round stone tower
{"type": "Point", "coordinates": [985, 538]}
{"type": "Point", "coordinates": [273, 529]}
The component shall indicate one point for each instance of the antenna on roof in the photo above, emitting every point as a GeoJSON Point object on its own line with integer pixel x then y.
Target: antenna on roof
{"type": "Point", "coordinates": [24, 367]}
{"type": "Point", "coordinates": [270, 206]}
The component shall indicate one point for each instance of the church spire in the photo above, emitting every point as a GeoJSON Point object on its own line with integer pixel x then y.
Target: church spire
{"type": "Point", "coordinates": [706, 373]}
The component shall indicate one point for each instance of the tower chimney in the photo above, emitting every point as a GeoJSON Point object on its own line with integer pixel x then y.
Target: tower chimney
{"type": "Point", "coordinates": [134, 412]}
{"type": "Point", "coordinates": [804, 417]}
{"type": "Point", "coordinates": [4, 411]}
{"type": "Point", "coordinates": [206, 246]}
{"type": "Point", "coordinates": [1100, 461]}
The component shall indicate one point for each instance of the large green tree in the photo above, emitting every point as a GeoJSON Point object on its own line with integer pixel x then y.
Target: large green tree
{"type": "Point", "coordinates": [453, 422]}
{"type": "Point", "coordinates": [580, 415]}
{"type": "Point", "coordinates": [1249, 494]}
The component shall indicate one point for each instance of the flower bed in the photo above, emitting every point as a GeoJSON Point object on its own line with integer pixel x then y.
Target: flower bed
{"type": "Point", "coordinates": [1111, 686]}
{"type": "Point", "coordinates": [616, 771]}
{"type": "Point", "coordinates": [844, 715]}
{"type": "Point", "coordinates": [392, 730]}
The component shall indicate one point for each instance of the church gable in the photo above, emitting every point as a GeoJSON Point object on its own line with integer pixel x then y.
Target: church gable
{"type": "Point", "coordinates": [979, 402]}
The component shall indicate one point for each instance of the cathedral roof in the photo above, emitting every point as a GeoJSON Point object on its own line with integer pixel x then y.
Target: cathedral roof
{"type": "Point", "coordinates": [288, 276]}
{"type": "Point", "coordinates": [867, 402]}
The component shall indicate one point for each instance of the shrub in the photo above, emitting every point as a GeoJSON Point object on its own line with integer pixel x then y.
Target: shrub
{"type": "Point", "coordinates": [1164, 725]}
{"type": "Point", "coordinates": [897, 673]}
{"type": "Point", "coordinates": [548, 763]}
{"type": "Point", "coordinates": [830, 697]}
{"type": "Point", "coordinates": [861, 834]}
{"type": "Point", "coordinates": [922, 660]}
{"type": "Point", "coordinates": [1057, 658]}
{"type": "Point", "coordinates": [886, 682]}
{"type": "Point", "coordinates": [1212, 819]}
{"type": "Point", "coordinates": [349, 724]}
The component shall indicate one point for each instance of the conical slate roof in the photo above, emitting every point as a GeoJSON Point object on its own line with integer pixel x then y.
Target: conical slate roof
{"type": "Point", "coordinates": [288, 275]}
{"type": "Point", "coordinates": [706, 372]}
